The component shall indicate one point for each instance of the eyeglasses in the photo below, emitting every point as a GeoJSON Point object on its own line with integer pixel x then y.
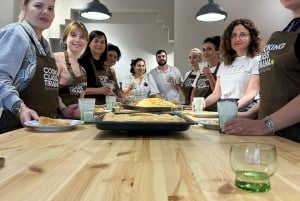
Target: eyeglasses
{"type": "Point", "coordinates": [240, 36]}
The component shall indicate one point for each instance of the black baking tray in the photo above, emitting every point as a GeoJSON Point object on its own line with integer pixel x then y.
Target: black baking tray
{"type": "Point", "coordinates": [141, 125]}
{"type": "Point", "coordinates": [147, 109]}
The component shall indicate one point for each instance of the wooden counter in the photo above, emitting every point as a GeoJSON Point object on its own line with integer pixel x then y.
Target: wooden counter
{"type": "Point", "coordinates": [89, 164]}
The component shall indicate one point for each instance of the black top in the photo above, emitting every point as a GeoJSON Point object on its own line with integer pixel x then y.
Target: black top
{"type": "Point", "coordinates": [85, 62]}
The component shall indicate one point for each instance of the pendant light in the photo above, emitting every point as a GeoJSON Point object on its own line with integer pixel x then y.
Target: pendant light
{"type": "Point", "coordinates": [95, 10]}
{"type": "Point", "coordinates": [211, 12]}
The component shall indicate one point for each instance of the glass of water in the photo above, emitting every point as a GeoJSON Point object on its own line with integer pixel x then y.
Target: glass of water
{"type": "Point", "coordinates": [253, 163]}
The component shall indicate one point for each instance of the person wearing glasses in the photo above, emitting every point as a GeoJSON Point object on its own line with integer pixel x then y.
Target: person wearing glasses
{"type": "Point", "coordinates": [278, 110]}
{"type": "Point", "coordinates": [238, 77]}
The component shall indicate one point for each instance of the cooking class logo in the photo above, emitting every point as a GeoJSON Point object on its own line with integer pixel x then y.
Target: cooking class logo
{"type": "Point", "coordinates": [50, 78]}
{"type": "Point", "coordinates": [189, 82]}
{"type": "Point", "coordinates": [202, 83]}
{"type": "Point", "coordinates": [266, 62]}
{"type": "Point", "coordinates": [78, 89]}
{"type": "Point", "coordinates": [103, 79]}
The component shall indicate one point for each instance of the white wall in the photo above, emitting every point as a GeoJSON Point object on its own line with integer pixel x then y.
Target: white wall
{"type": "Point", "coordinates": [7, 12]}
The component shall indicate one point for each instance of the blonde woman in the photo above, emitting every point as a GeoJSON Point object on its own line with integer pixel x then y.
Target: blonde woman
{"type": "Point", "coordinates": [195, 57]}
{"type": "Point", "coordinates": [28, 73]}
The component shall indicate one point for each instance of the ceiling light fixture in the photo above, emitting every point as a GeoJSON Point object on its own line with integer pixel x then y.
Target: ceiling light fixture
{"type": "Point", "coordinates": [211, 12]}
{"type": "Point", "coordinates": [95, 10]}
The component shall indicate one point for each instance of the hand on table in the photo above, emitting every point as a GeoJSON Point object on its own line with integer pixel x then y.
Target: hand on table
{"type": "Point", "coordinates": [243, 126]}
{"type": "Point", "coordinates": [27, 114]}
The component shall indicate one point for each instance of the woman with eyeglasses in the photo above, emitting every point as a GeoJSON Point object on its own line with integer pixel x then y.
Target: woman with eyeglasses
{"type": "Point", "coordinates": [279, 71]}
{"type": "Point", "coordinates": [237, 77]}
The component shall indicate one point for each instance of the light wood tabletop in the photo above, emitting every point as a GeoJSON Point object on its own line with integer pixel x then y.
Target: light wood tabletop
{"type": "Point", "coordinates": [91, 164]}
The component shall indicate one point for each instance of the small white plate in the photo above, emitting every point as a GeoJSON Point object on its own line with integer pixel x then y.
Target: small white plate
{"type": "Point", "coordinates": [211, 123]}
{"type": "Point", "coordinates": [35, 125]}
{"type": "Point", "coordinates": [205, 114]}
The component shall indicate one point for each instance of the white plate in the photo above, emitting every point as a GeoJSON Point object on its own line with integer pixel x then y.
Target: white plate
{"type": "Point", "coordinates": [35, 125]}
{"type": "Point", "coordinates": [205, 114]}
{"type": "Point", "coordinates": [211, 123]}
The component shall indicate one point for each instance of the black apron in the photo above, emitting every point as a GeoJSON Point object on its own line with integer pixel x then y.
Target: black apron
{"type": "Point", "coordinates": [101, 77]}
{"type": "Point", "coordinates": [188, 87]}
{"type": "Point", "coordinates": [203, 88]}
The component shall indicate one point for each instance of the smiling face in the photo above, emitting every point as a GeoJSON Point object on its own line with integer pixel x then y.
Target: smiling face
{"type": "Point", "coordinates": [112, 58]}
{"type": "Point", "coordinates": [98, 45]}
{"type": "Point", "coordinates": [240, 40]}
{"type": "Point", "coordinates": [209, 52]}
{"type": "Point", "coordinates": [76, 41]}
{"type": "Point", "coordinates": [75, 37]}
{"type": "Point", "coordinates": [139, 68]}
{"type": "Point", "coordinates": [39, 14]}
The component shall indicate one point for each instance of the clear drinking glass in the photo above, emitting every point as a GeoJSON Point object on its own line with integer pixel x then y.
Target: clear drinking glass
{"type": "Point", "coordinates": [198, 104]}
{"type": "Point", "coordinates": [253, 163]}
{"type": "Point", "coordinates": [86, 107]}
{"type": "Point", "coordinates": [227, 109]}
{"type": "Point", "coordinates": [110, 101]}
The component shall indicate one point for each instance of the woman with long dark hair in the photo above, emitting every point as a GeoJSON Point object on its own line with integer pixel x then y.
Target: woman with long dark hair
{"type": "Point", "coordinates": [92, 61]}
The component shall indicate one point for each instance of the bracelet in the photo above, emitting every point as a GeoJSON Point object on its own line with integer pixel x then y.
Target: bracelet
{"type": "Point", "coordinates": [269, 123]}
{"type": "Point", "coordinates": [17, 107]}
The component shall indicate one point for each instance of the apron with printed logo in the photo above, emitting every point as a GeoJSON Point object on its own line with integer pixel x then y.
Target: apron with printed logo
{"type": "Point", "coordinates": [70, 94]}
{"type": "Point", "coordinates": [279, 72]}
{"type": "Point", "coordinates": [40, 95]}
{"type": "Point", "coordinates": [187, 88]}
{"type": "Point", "coordinates": [203, 88]}
{"type": "Point", "coordinates": [102, 76]}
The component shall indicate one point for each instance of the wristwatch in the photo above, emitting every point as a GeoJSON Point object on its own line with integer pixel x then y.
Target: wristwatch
{"type": "Point", "coordinates": [17, 106]}
{"type": "Point", "coordinates": [269, 123]}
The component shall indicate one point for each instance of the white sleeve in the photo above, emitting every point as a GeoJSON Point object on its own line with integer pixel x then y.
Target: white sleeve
{"type": "Point", "coordinates": [254, 65]}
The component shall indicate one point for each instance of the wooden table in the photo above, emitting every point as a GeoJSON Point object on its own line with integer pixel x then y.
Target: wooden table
{"type": "Point", "coordinates": [90, 164]}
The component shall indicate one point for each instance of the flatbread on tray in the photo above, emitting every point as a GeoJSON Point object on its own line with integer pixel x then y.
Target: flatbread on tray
{"type": "Point", "coordinates": [154, 102]}
{"type": "Point", "coordinates": [145, 117]}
